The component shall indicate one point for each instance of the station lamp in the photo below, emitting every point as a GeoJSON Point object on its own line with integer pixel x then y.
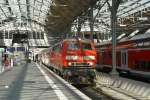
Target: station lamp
{"type": "Point", "coordinates": [122, 25]}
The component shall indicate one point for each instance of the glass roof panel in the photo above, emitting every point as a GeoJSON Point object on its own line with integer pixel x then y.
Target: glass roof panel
{"type": "Point", "coordinates": [46, 3]}
{"type": "Point", "coordinates": [25, 9]}
{"type": "Point", "coordinates": [2, 16]}
{"type": "Point", "coordinates": [44, 8]}
{"type": "Point", "coordinates": [15, 8]}
{"type": "Point", "coordinates": [2, 1]}
{"type": "Point", "coordinates": [31, 2]}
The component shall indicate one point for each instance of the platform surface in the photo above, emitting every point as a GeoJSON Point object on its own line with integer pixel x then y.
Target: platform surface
{"type": "Point", "coordinates": [29, 81]}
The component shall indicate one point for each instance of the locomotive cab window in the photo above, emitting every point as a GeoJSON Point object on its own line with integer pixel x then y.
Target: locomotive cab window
{"type": "Point", "coordinates": [86, 46]}
{"type": "Point", "coordinates": [73, 46]}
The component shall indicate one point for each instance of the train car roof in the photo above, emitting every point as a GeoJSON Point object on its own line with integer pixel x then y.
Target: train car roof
{"type": "Point", "coordinates": [138, 37]}
{"type": "Point", "coordinates": [141, 36]}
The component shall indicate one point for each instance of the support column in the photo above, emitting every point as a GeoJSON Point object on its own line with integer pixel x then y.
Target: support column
{"type": "Point", "coordinates": [91, 22]}
{"type": "Point", "coordinates": [113, 28]}
{"type": "Point", "coordinates": [78, 27]}
{"type": "Point", "coordinates": [113, 8]}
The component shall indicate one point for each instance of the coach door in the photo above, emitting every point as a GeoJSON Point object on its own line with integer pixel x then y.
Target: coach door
{"type": "Point", "coordinates": [124, 59]}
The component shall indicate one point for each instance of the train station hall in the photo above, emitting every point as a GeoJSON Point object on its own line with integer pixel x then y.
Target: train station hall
{"type": "Point", "coordinates": [74, 49]}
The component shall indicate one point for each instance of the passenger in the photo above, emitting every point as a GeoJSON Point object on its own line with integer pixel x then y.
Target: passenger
{"type": "Point", "coordinates": [6, 62]}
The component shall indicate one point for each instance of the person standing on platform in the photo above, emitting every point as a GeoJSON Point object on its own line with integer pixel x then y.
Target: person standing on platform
{"type": "Point", "coordinates": [6, 62]}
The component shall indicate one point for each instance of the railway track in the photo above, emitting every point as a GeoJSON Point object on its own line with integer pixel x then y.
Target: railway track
{"type": "Point", "coordinates": [108, 88]}
{"type": "Point", "coordinates": [93, 93]}
{"type": "Point", "coordinates": [89, 90]}
{"type": "Point", "coordinates": [105, 93]}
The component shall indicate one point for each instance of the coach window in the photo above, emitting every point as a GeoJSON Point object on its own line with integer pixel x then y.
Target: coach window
{"type": "Point", "coordinates": [57, 48]}
{"type": "Point", "coordinates": [141, 64]}
{"type": "Point", "coordinates": [137, 64]}
{"type": "Point", "coordinates": [124, 58]}
{"type": "Point", "coordinates": [149, 66]}
{"type": "Point", "coordinates": [146, 65]}
{"type": "Point", "coordinates": [110, 54]}
{"type": "Point", "coordinates": [104, 54]}
{"type": "Point", "coordinates": [54, 48]}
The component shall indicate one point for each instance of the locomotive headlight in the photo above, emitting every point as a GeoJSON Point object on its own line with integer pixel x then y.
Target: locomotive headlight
{"type": "Point", "coordinates": [90, 63]}
{"type": "Point", "coordinates": [88, 57]}
{"type": "Point", "coordinates": [72, 57]}
{"type": "Point", "coordinates": [69, 63]}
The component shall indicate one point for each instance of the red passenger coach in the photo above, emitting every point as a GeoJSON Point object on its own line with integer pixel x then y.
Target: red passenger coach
{"type": "Point", "coordinates": [132, 56]}
{"type": "Point", "coordinates": [74, 59]}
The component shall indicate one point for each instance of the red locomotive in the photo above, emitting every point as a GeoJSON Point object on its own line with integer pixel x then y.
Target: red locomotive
{"type": "Point", "coordinates": [73, 58]}
{"type": "Point", "coordinates": [132, 56]}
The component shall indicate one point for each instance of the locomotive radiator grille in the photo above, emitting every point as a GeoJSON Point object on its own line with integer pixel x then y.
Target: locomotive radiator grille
{"type": "Point", "coordinates": [80, 63]}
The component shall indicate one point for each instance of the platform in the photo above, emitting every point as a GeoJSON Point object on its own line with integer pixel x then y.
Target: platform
{"type": "Point", "coordinates": [30, 81]}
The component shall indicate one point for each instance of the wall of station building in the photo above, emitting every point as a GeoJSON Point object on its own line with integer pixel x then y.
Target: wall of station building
{"type": "Point", "coordinates": [31, 35]}
{"type": "Point", "coordinates": [35, 38]}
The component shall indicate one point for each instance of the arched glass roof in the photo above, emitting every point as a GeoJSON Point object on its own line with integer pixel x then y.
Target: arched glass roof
{"type": "Point", "coordinates": [24, 10]}
{"type": "Point", "coordinates": [61, 16]}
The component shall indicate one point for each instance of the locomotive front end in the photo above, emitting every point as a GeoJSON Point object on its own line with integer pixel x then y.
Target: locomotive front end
{"type": "Point", "coordinates": [80, 61]}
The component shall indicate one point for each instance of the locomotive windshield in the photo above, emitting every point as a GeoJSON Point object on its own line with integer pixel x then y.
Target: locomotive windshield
{"type": "Point", "coordinates": [73, 46]}
{"type": "Point", "coordinates": [86, 46]}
